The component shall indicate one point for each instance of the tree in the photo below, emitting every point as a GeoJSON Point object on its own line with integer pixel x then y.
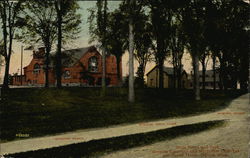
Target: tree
{"type": "Point", "coordinates": [131, 96]}
{"type": "Point", "coordinates": [177, 42]}
{"type": "Point", "coordinates": [204, 61]}
{"type": "Point", "coordinates": [40, 18]}
{"type": "Point", "coordinates": [10, 11]}
{"type": "Point", "coordinates": [97, 31]}
{"type": "Point", "coordinates": [66, 11]}
{"type": "Point", "coordinates": [160, 14]}
{"type": "Point", "coordinates": [40, 26]}
{"type": "Point", "coordinates": [116, 36]}
{"type": "Point", "coordinates": [143, 39]}
{"type": "Point", "coordinates": [228, 23]}
{"type": "Point", "coordinates": [194, 29]}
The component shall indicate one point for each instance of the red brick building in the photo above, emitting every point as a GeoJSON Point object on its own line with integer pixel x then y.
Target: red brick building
{"type": "Point", "coordinates": [81, 67]}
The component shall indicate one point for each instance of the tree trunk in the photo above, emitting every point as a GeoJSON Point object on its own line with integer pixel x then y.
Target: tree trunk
{"type": "Point", "coordinates": [5, 35]}
{"type": "Point", "coordinates": [118, 60]}
{"type": "Point", "coordinates": [174, 71]}
{"type": "Point", "coordinates": [140, 73]}
{"type": "Point", "coordinates": [103, 29]}
{"type": "Point", "coordinates": [179, 74]}
{"type": "Point", "coordinates": [59, 46]}
{"type": "Point", "coordinates": [161, 77]}
{"type": "Point", "coordinates": [103, 92]}
{"type": "Point", "coordinates": [6, 74]}
{"type": "Point", "coordinates": [47, 60]}
{"type": "Point", "coordinates": [196, 77]}
{"type": "Point", "coordinates": [203, 75]}
{"type": "Point", "coordinates": [223, 74]}
{"type": "Point", "coordinates": [214, 73]}
{"type": "Point", "coordinates": [131, 97]}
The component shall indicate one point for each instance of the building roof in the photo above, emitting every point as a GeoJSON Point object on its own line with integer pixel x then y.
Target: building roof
{"type": "Point", "coordinates": [72, 56]}
{"type": "Point", "coordinates": [168, 70]}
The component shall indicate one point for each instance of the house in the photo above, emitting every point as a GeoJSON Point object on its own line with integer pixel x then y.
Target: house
{"type": "Point", "coordinates": [168, 78]}
{"type": "Point", "coordinates": [80, 67]}
{"type": "Point", "coordinates": [209, 79]}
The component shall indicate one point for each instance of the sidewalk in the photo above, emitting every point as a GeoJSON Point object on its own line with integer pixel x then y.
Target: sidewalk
{"type": "Point", "coordinates": [235, 110]}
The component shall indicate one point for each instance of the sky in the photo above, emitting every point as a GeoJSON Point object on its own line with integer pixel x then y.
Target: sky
{"type": "Point", "coordinates": [83, 41]}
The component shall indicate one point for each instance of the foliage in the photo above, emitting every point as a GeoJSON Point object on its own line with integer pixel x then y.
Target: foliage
{"type": "Point", "coordinates": [39, 23]}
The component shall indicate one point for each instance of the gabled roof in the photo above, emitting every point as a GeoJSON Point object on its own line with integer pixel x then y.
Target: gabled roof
{"type": "Point", "coordinates": [167, 70]}
{"type": "Point", "coordinates": [72, 56]}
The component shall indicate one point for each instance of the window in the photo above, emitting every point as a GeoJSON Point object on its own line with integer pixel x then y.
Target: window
{"type": "Point", "coordinates": [66, 74]}
{"type": "Point", "coordinates": [93, 64]}
{"type": "Point", "coordinates": [36, 69]}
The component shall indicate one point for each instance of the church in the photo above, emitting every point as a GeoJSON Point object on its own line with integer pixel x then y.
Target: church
{"type": "Point", "coordinates": [80, 67]}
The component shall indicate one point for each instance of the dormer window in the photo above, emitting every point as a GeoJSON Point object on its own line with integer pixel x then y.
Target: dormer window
{"type": "Point", "coordinates": [93, 64]}
{"type": "Point", "coordinates": [36, 69]}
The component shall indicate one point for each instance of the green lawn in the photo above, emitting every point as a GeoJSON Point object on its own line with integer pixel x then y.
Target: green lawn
{"type": "Point", "coordinates": [38, 112]}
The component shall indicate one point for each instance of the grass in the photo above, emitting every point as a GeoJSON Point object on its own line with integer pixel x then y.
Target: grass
{"type": "Point", "coordinates": [97, 148]}
{"type": "Point", "coordinates": [39, 112]}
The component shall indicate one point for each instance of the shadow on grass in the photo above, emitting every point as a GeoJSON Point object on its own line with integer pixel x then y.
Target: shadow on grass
{"type": "Point", "coordinates": [97, 148]}
{"type": "Point", "coordinates": [39, 111]}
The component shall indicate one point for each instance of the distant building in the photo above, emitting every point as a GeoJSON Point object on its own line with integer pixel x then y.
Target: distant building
{"type": "Point", "coordinates": [81, 67]}
{"type": "Point", "coordinates": [168, 78]}
{"type": "Point", "coordinates": [209, 79]}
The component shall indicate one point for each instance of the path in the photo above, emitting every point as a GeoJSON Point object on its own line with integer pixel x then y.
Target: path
{"type": "Point", "coordinates": [229, 141]}
{"type": "Point", "coordinates": [238, 105]}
